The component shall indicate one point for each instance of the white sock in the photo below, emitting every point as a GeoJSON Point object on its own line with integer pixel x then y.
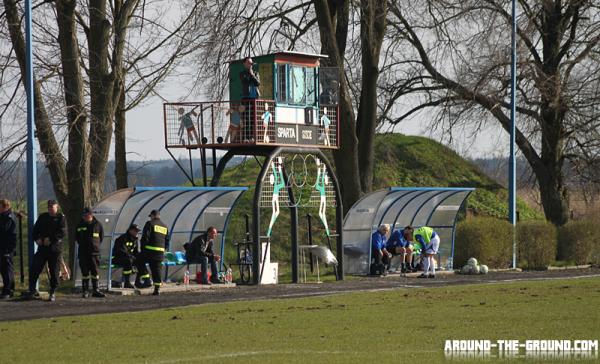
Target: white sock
{"type": "Point", "coordinates": [432, 265]}
{"type": "Point", "coordinates": [425, 265]}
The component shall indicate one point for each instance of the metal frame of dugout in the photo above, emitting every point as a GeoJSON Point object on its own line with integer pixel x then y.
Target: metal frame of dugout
{"type": "Point", "coordinates": [270, 153]}
{"type": "Point", "coordinates": [401, 206]}
{"type": "Point", "coordinates": [187, 211]}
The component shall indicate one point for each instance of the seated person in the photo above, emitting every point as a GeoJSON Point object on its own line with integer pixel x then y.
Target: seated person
{"type": "Point", "coordinates": [380, 257]}
{"type": "Point", "coordinates": [430, 244]}
{"type": "Point", "coordinates": [124, 253]}
{"type": "Point", "coordinates": [399, 245]}
{"type": "Point", "coordinates": [203, 246]}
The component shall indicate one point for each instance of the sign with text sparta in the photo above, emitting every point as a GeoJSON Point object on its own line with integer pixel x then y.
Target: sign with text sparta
{"type": "Point", "coordinates": [297, 134]}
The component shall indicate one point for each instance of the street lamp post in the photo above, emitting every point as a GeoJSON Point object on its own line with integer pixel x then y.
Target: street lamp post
{"type": "Point", "coordinates": [31, 150]}
{"type": "Point", "coordinates": [512, 168]}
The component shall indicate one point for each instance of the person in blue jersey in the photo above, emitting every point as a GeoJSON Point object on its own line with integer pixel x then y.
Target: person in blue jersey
{"type": "Point", "coordinates": [430, 245]}
{"type": "Point", "coordinates": [398, 244]}
{"type": "Point", "coordinates": [380, 256]}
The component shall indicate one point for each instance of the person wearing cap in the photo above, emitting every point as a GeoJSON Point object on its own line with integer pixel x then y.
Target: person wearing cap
{"type": "Point", "coordinates": [250, 92]}
{"type": "Point", "coordinates": [124, 254]}
{"type": "Point", "coordinates": [155, 240]}
{"type": "Point", "coordinates": [48, 233]}
{"type": "Point", "coordinates": [8, 245]}
{"type": "Point", "coordinates": [89, 235]}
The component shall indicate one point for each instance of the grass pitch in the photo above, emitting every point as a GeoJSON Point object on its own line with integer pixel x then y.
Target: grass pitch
{"type": "Point", "coordinates": [403, 325]}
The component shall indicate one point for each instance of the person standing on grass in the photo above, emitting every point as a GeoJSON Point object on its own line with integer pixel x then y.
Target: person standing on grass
{"type": "Point", "coordinates": [8, 245]}
{"type": "Point", "coordinates": [48, 233]}
{"type": "Point", "coordinates": [380, 256]}
{"type": "Point", "coordinates": [89, 235]}
{"type": "Point", "coordinates": [155, 240]}
{"type": "Point", "coordinates": [430, 245]}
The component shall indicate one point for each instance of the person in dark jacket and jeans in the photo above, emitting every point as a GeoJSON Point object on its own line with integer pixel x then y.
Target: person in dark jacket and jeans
{"type": "Point", "coordinates": [204, 247]}
{"type": "Point", "coordinates": [48, 233]}
{"type": "Point", "coordinates": [8, 244]}
{"type": "Point", "coordinates": [89, 235]}
{"type": "Point", "coordinates": [250, 92]}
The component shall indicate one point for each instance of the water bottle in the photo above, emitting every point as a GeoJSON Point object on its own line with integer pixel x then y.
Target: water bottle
{"type": "Point", "coordinates": [229, 276]}
{"type": "Point", "coordinates": [186, 279]}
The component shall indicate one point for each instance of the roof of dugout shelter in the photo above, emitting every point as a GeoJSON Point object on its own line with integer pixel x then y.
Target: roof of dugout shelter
{"type": "Point", "coordinates": [187, 211]}
{"type": "Point", "coordinates": [401, 206]}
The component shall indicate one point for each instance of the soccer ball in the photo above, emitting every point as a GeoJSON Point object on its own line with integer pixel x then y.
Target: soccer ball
{"type": "Point", "coordinates": [475, 269]}
{"type": "Point", "coordinates": [466, 269]}
{"type": "Point", "coordinates": [483, 269]}
{"type": "Point", "coordinates": [472, 262]}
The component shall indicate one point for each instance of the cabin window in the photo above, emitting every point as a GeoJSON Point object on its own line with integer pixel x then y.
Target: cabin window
{"type": "Point", "coordinates": [282, 84]}
{"type": "Point", "coordinates": [298, 85]}
{"type": "Point", "coordinates": [310, 86]}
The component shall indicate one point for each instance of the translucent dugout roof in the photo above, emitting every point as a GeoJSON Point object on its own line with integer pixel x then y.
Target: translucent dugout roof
{"type": "Point", "coordinates": [187, 211]}
{"type": "Point", "coordinates": [401, 206]}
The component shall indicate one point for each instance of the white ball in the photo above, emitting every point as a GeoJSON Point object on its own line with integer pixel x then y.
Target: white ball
{"type": "Point", "coordinates": [465, 269]}
{"type": "Point", "coordinates": [474, 269]}
{"type": "Point", "coordinates": [483, 269]}
{"type": "Point", "coordinates": [472, 262]}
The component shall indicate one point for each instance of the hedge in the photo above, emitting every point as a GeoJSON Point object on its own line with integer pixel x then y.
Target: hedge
{"type": "Point", "coordinates": [579, 242]}
{"type": "Point", "coordinates": [485, 238]}
{"type": "Point", "coordinates": [537, 244]}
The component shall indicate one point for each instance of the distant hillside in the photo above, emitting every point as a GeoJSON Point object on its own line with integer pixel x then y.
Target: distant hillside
{"type": "Point", "coordinates": [412, 161]}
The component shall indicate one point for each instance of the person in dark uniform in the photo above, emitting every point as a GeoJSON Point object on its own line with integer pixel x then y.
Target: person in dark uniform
{"type": "Point", "coordinates": [89, 235]}
{"type": "Point", "coordinates": [124, 254]}
{"type": "Point", "coordinates": [8, 244]}
{"type": "Point", "coordinates": [155, 240]}
{"type": "Point", "coordinates": [203, 246]}
{"type": "Point", "coordinates": [250, 92]}
{"type": "Point", "coordinates": [48, 233]}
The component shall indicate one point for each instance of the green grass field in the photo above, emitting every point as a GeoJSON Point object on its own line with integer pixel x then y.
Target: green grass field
{"type": "Point", "coordinates": [393, 326]}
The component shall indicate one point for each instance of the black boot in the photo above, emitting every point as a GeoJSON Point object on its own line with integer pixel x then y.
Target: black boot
{"type": "Point", "coordinates": [96, 293]}
{"type": "Point", "coordinates": [147, 283]}
{"type": "Point", "coordinates": [156, 291]}
{"type": "Point", "coordinates": [137, 283]}
{"type": "Point", "coordinates": [126, 282]}
{"type": "Point", "coordinates": [85, 286]}
{"type": "Point", "coordinates": [52, 297]}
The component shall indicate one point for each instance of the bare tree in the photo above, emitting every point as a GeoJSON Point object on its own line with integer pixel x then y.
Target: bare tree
{"type": "Point", "coordinates": [84, 51]}
{"type": "Point", "coordinates": [458, 53]}
{"type": "Point", "coordinates": [238, 28]}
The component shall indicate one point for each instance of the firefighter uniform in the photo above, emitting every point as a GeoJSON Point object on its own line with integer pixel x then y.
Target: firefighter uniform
{"type": "Point", "coordinates": [124, 254]}
{"type": "Point", "coordinates": [49, 230]}
{"type": "Point", "coordinates": [155, 239]}
{"type": "Point", "coordinates": [8, 244]}
{"type": "Point", "coordinates": [89, 236]}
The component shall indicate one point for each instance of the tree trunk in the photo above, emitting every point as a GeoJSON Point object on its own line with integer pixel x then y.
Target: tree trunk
{"type": "Point", "coordinates": [120, 147]}
{"type": "Point", "coordinates": [332, 18]}
{"type": "Point", "coordinates": [372, 30]}
{"type": "Point", "coordinates": [555, 199]}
